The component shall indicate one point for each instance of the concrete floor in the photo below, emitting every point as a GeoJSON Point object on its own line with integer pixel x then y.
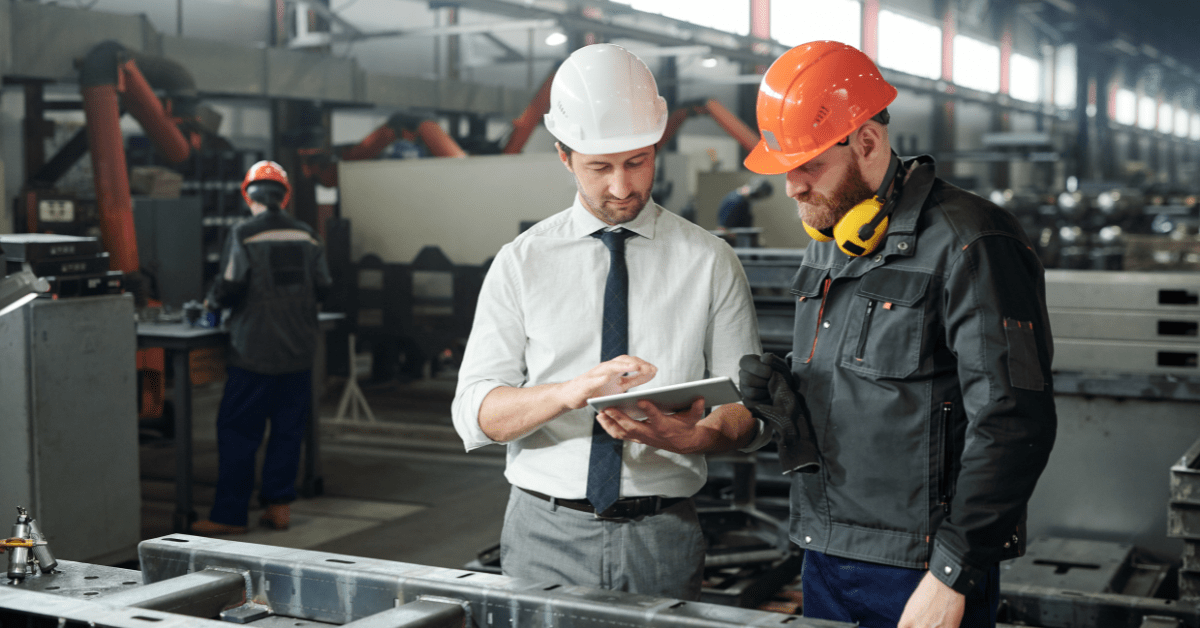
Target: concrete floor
{"type": "Point", "coordinates": [400, 489]}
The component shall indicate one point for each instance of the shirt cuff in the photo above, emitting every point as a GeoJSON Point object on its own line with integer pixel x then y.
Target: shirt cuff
{"type": "Point", "coordinates": [952, 571]}
{"type": "Point", "coordinates": [465, 415]}
{"type": "Point", "coordinates": [761, 437]}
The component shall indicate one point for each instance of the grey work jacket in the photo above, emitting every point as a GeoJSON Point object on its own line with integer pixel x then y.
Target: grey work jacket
{"type": "Point", "coordinates": [272, 274]}
{"type": "Point", "coordinates": [925, 366]}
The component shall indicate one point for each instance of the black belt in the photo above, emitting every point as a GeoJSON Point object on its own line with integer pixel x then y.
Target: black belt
{"type": "Point", "coordinates": [628, 508]}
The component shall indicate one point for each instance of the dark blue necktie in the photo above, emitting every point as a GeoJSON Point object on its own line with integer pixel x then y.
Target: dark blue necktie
{"type": "Point", "coordinates": [604, 464]}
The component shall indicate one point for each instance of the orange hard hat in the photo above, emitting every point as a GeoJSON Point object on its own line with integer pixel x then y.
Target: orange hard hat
{"type": "Point", "coordinates": [267, 171]}
{"type": "Point", "coordinates": [811, 98]}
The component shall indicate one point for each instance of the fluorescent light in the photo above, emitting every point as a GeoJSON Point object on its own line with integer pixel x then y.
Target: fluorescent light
{"type": "Point", "coordinates": [710, 62]}
{"type": "Point", "coordinates": [557, 38]}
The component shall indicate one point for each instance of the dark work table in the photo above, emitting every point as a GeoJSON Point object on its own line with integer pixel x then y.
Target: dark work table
{"type": "Point", "coordinates": [177, 340]}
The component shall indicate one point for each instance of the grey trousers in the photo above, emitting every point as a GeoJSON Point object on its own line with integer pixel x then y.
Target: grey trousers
{"type": "Point", "coordinates": [660, 555]}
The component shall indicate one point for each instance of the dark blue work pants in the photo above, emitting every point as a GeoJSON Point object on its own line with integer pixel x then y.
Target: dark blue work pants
{"type": "Point", "coordinates": [250, 400]}
{"type": "Point", "coordinates": [872, 595]}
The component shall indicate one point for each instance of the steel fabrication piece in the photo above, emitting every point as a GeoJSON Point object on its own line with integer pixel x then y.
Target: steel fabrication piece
{"type": "Point", "coordinates": [200, 576]}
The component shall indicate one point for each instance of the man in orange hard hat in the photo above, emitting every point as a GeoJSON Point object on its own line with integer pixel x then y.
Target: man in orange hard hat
{"type": "Point", "coordinates": [920, 365]}
{"type": "Point", "coordinates": [272, 274]}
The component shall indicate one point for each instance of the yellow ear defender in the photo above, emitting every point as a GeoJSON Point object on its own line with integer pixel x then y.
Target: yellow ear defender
{"type": "Point", "coordinates": [861, 230]}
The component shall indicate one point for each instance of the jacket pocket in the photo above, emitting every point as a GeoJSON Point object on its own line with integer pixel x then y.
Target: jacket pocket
{"type": "Point", "coordinates": [889, 316]}
{"type": "Point", "coordinates": [808, 288]}
{"type": "Point", "coordinates": [1024, 370]}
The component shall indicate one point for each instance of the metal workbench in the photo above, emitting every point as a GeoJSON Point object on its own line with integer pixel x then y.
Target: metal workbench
{"type": "Point", "coordinates": [177, 340]}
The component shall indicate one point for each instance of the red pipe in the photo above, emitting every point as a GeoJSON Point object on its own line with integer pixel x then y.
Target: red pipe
{"type": "Point", "coordinates": [439, 142]}
{"type": "Point", "coordinates": [524, 126]}
{"type": "Point", "coordinates": [107, 147]}
{"type": "Point", "coordinates": [732, 124]}
{"type": "Point", "coordinates": [147, 109]}
{"type": "Point", "coordinates": [372, 145]}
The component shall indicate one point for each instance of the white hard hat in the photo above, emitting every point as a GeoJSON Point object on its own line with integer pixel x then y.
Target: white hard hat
{"type": "Point", "coordinates": [604, 100]}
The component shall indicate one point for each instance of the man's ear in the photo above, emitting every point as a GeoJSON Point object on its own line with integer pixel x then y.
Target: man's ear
{"type": "Point", "coordinates": [870, 141]}
{"type": "Point", "coordinates": [564, 157]}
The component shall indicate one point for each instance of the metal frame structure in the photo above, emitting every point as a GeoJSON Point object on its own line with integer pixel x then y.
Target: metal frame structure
{"type": "Point", "coordinates": [198, 577]}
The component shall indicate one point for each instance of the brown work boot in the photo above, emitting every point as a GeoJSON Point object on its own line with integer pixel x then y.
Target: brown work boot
{"type": "Point", "coordinates": [276, 517]}
{"type": "Point", "coordinates": [212, 528]}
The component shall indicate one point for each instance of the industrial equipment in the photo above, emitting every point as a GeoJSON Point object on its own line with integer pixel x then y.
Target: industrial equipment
{"type": "Point", "coordinates": [68, 381]}
{"type": "Point", "coordinates": [186, 580]}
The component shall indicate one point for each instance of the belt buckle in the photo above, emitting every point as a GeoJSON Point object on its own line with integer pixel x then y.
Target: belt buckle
{"type": "Point", "coordinates": [607, 514]}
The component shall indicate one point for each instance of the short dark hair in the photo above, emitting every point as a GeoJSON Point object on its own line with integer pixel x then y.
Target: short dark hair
{"type": "Point", "coordinates": [565, 149]}
{"type": "Point", "coordinates": [883, 117]}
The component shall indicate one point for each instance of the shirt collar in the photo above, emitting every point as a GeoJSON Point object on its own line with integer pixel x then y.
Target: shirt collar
{"type": "Point", "coordinates": [584, 224]}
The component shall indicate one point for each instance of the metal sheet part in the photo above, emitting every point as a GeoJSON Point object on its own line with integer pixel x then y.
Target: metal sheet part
{"type": "Point", "coordinates": [420, 614]}
{"type": "Point", "coordinates": [201, 594]}
{"type": "Point", "coordinates": [1167, 292]}
{"type": "Point", "coordinates": [22, 608]}
{"type": "Point", "coordinates": [1074, 564]}
{"type": "Point", "coordinates": [342, 589]}
{"type": "Point", "coordinates": [1056, 608]}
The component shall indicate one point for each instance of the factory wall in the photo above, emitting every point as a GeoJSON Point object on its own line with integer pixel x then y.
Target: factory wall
{"type": "Point", "coordinates": [469, 207]}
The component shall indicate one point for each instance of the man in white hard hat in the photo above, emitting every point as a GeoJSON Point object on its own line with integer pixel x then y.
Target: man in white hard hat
{"type": "Point", "coordinates": [611, 293]}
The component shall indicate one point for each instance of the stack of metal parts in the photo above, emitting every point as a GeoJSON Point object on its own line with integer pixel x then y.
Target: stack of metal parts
{"type": "Point", "coordinates": [1183, 520]}
{"type": "Point", "coordinates": [187, 581]}
{"type": "Point", "coordinates": [1125, 322]}
{"type": "Point", "coordinates": [770, 273]}
{"type": "Point", "coordinates": [73, 266]}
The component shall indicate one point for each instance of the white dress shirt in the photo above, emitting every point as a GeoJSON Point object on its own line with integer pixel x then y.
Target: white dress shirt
{"type": "Point", "coordinates": [538, 321]}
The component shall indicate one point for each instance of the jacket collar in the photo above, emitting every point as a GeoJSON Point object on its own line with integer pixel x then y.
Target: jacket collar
{"type": "Point", "coordinates": [920, 173]}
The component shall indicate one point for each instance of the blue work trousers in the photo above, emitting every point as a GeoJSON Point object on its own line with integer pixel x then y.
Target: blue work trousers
{"type": "Point", "coordinates": [872, 595]}
{"type": "Point", "coordinates": [251, 399]}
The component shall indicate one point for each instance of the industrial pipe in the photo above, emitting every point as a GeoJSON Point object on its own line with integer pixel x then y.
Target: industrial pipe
{"type": "Point", "coordinates": [113, 200]}
{"type": "Point", "coordinates": [732, 124]}
{"type": "Point", "coordinates": [439, 142]}
{"type": "Point", "coordinates": [527, 123]}
{"type": "Point", "coordinates": [147, 109]}
{"type": "Point", "coordinates": [746, 137]}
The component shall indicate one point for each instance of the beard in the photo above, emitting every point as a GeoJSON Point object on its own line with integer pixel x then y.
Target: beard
{"type": "Point", "coordinates": [821, 212]}
{"type": "Point", "coordinates": [613, 210]}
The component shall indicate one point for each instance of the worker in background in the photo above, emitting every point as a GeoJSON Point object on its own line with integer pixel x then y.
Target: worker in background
{"type": "Point", "coordinates": [272, 274]}
{"type": "Point", "coordinates": [920, 366]}
{"type": "Point", "coordinates": [611, 293]}
{"type": "Point", "coordinates": [735, 211]}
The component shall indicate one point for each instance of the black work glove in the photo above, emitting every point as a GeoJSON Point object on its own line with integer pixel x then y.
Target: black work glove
{"type": "Point", "coordinates": [768, 390]}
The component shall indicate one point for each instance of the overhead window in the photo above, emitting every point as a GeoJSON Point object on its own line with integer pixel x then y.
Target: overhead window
{"type": "Point", "coordinates": [1064, 76]}
{"type": "Point", "coordinates": [1166, 118]}
{"type": "Point", "coordinates": [1194, 133]}
{"type": "Point", "coordinates": [1181, 122]}
{"type": "Point", "coordinates": [1025, 78]}
{"type": "Point", "coordinates": [976, 64]}
{"type": "Point", "coordinates": [910, 45]}
{"type": "Point", "coordinates": [794, 22]}
{"type": "Point", "coordinates": [1147, 108]}
{"type": "Point", "coordinates": [731, 16]}
{"type": "Point", "coordinates": [1125, 109]}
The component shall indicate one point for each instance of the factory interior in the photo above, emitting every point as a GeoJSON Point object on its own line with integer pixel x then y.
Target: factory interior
{"type": "Point", "coordinates": [412, 135]}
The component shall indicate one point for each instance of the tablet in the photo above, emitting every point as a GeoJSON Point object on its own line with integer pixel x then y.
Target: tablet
{"type": "Point", "coordinates": [716, 391]}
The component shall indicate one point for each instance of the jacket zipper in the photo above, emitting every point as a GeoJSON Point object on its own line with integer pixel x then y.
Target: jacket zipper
{"type": "Point", "coordinates": [862, 338]}
{"type": "Point", "coordinates": [947, 454]}
{"type": "Point", "coordinates": [820, 318]}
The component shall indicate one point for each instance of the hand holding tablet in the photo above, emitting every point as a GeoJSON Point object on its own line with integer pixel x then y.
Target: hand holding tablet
{"type": "Point", "coordinates": [716, 391]}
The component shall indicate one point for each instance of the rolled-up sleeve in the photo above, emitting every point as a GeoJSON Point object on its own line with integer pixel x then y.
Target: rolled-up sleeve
{"type": "Point", "coordinates": [495, 353]}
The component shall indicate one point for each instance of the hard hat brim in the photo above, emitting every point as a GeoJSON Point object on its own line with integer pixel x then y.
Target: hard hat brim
{"type": "Point", "coordinates": [762, 160]}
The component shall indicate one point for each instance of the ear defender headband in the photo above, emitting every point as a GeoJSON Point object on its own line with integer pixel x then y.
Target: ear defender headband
{"type": "Point", "coordinates": [861, 230]}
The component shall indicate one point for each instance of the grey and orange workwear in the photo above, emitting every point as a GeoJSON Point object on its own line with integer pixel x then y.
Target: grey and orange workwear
{"type": "Point", "coordinates": [925, 367]}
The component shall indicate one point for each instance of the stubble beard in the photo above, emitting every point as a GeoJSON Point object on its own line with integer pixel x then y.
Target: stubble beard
{"type": "Point", "coordinates": [606, 208]}
{"type": "Point", "coordinates": [821, 212]}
